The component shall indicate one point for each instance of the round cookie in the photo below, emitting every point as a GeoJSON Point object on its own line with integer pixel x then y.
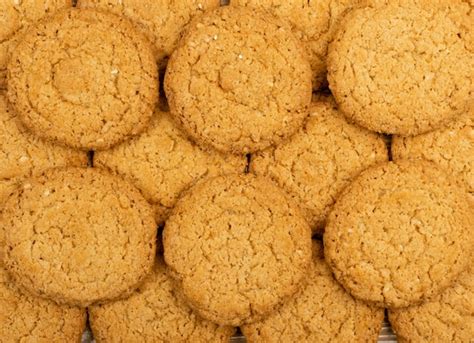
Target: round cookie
{"type": "Point", "coordinates": [154, 313]}
{"type": "Point", "coordinates": [239, 80]}
{"type": "Point", "coordinates": [81, 236]}
{"type": "Point", "coordinates": [24, 318]}
{"type": "Point", "coordinates": [448, 318]}
{"type": "Point", "coordinates": [162, 163]}
{"type": "Point", "coordinates": [15, 17]}
{"type": "Point", "coordinates": [402, 69]}
{"type": "Point", "coordinates": [313, 23]}
{"type": "Point", "coordinates": [238, 248]}
{"type": "Point", "coordinates": [321, 312]}
{"type": "Point", "coordinates": [318, 162]}
{"type": "Point", "coordinates": [452, 148]}
{"type": "Point", "coordinates": [400, 234]}
{"type": "Point", "coordinates": [84, 78]}
{"type": "Point", "coordinates": [161, 21]}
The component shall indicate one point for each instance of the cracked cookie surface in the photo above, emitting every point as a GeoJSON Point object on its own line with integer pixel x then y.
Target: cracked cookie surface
{"type": "Point", "coordinates": [316, 163]}
{"type": "Point", "coordinates": [154, 313]}
{"type": "Point", "coordinates": [401, 68]}
{"type": "Point", "coordinates": [321, 312]}
{"type": "Point", "coordinates": [400, 233]}
{"type": "Point", "coordinates": [238, 248]}
{"type": "Point", "coordinates": [84, 78]}
{"type": "Point", "coordinates": [162, 163]}
{"type": "Point", "coordinates": [239, 80]}
{"type": "Point", "coordinates": [81, 236]}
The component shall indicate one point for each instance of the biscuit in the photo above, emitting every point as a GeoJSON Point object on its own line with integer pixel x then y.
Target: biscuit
{"type": "Point", "coordinates": [162, 163]}
{"type": "Point", "coordinates": [314, 24]}
{"type": "Point", "coordinates": [321, 312]}
{"type": "Point", "coordinates": [237, 247]}
{"type": "Point", "coordinates": [16, 16]}
{"type": "Point", "coordinates": [318, 162]}
{"type": "Point", "coordinates": [448, 318]}
{"type": "Point", "coordinates": [400, 234]}
{"type": "Point", "coordinates": [154, 313]}
{"type": "Point", "coordinates": [239, 80]}
{"type": "Point", "coordinates": [161, 21]}
{"type": "Point", "coordinates": [81, 236]}
{"type": "Point", "coordinates": [83, 78]}
{"type": "Point", "coordinates": [401, 69]}
{"type": "Point", "coordinates": [24, 318]}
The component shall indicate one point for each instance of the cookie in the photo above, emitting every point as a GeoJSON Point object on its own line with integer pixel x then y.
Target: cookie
{"type": "Point", "coordinates": [162, 163]}
{"type": "Point", "coordinates": [314, 24]}
{"type": "Point", "coordinates": [154, 313]}
{"type": "Point", "coordinates": [81, 236]}
{"type": "Point", "coordinates": [239, 80]}
{"type": "Point", "coordinates": [401, 69]}
{"type": "Point", "coordinates": [24, 318]}
{"type": "Point", "coordinates": [83, 78]}
{"type": "Point", "coordinates": [15, 18]}
{"type": "Point", "coordinates": [400, 234]}
{"type": "Point", "coordinates": [448, 318]}
{"type": "Point", "coordinates": [161, 21]}
{"type": "Point", "coordinates": [452, 148]}
{"type": "Point", "coordinates": [318, 162]}
{"type": "Point", "coordinates": [237, 247]}
{"type": "Point", "coordinates": [321, 312]}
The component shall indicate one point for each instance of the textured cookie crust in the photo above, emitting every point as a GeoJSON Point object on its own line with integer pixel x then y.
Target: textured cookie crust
{"type": "Point", "coordinates": [24, 318]}
{"type": "Point", "coordinates": [15, 17]}
{"type": "Point", "coordinates": [401, 69]}
{"type": "Point", "coordinates": [321, 312]}
{"type": "Point", "coordinates": [84, 78]}
{"type": "Point", "coordinates": [81, 236]}
{"type": "Point", "coordinates": [238, 248]}
{"type": "Point", "coordinates": [318, 162]}
{"type": "Point", "coordinates": [162, 163]}
{"type": "Point", "coordinates": [154, 313]}
{"type": "Point", "coordinates": [313, 23]}
{"type": "Point", "coordinates": [400, 233]}
{"type": "Point", "coordinates": [448, 318]}
{"type": "Point", "coordinates": [239, 80]}
{"type": "Point", "coordinates": [162, 21]}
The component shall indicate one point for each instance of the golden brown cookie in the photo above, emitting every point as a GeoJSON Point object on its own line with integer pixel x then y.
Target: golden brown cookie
{"type": "Point", "coordinates": [24, 318]}
{"type": "Point", "coordinates": [448, 318]}
{"type": "Point", "coordinates": [84, 78]}
{"type": "Point", "coordinates": [239, 80]}
{"type": "Point", "coordinates": [321, 312]}
{"type": "Point", "coordinates": [162, 163]}
{"type": "Point", "coordinates": [313, 22]}
{"type": "Point", "coordinates": [401, 68]}
{"type": "Point", "coordinates": [15, 18]}
{"type": "Point", "coordinates": [400, 233]}
{"type": "Point", "coordinates": [154, 313]}
{"type": "Point", "coordinates": [81, 236]}
{"type": "Point", "coordinates": [238, 248]}
{"type": "Point", "coordinates": [318, 162]}
{"type": "Point", "coordinates": [161, 21]}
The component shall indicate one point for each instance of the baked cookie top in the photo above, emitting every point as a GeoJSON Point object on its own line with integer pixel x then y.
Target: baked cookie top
{"type": "Point", "coordinates": [321, 312]}
{"type": "Point", "coordinates": [401, 68]}
{"type": "Point", "coordinates": [400, 233]}
{"type": "Point", "coordinates": [238, 248]}
{"type": "Point", "coordinates": [154, 313]}
{"type": "Point", "coordinates": [161, 21]}
{"type": "Point", "coordinates": [239, 80]}
{"type": "Point", "coordinates": [448, 318]}
{"type": "Point", "coordinates": [84, 78]}
{"type": "Point", "coordinates": [81, 236]}
{"type": "Point", "coordinates": [319, 161]}
{"type": "Point", "coordinates": [313, 23]}
{"type": "Point", "coordinates": [15, 17]}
